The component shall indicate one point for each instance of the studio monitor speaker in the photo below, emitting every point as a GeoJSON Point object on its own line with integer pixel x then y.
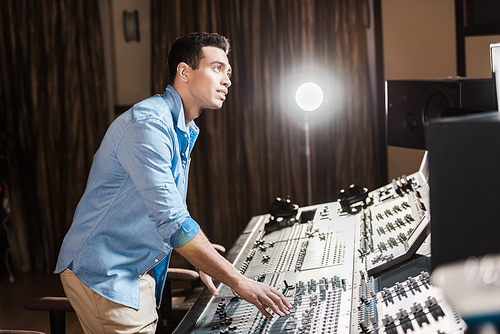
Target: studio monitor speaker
{"type": "Point", "coordinates": [464, 182]}
{"type": "Point", "coordinates": [411, 105]}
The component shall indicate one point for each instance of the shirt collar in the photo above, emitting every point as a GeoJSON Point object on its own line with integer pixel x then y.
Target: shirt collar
{"type": "Point", "coordinates": [176, 107]}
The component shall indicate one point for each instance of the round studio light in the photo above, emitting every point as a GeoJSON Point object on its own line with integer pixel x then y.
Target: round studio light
{"type": "Point", "coordinates": [309, 96]}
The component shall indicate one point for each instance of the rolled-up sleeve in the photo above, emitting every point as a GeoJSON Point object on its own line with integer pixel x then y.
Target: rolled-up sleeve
{"type": "Point", "coordinates": [185, 233]}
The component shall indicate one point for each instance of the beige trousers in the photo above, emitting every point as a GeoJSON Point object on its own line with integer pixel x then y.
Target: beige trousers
{"type": "Point", "coordinates": [99, 315]}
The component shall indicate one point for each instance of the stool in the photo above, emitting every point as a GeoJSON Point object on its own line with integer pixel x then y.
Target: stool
{"type": "Point", "coordinates": [57, 307]}
{"type": "Point", "coordinates": [166, 322]}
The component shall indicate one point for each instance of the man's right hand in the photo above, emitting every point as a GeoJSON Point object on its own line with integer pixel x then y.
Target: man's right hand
{"type": "Point", "coordinates": [263, 296]}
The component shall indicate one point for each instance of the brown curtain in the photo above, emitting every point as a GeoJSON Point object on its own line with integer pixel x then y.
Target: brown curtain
{"type": "Point", "coordinates": [55, 113]}
{"type": "Point", "coordinates": [253, 149]}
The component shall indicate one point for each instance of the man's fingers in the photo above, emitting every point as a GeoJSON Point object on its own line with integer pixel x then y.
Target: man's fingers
{"type": "Point", "coordinates": [263, 310]}
{"type": "Point", "coordinates": [210, 285]}
{"type": "Point", "coordinates": [274, 302]}
{"type": "Point", "coordinates": [279, 301]}
{"type": "Point", "coordinates": [283, 299]}
{"type": "Point", "coordinates": [276, 310]}
{"type": "Point", "coordinates": [266, 299]}
{"type": "Point", "coordinates": [208, 280]}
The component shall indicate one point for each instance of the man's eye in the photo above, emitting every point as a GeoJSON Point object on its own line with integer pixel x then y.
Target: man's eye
{"type": "Point", "coordinates": [217, 68]}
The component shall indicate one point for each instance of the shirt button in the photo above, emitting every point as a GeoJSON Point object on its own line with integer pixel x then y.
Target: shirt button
{"type": "Point", "coordinates": [185, 135]}
{"type": "Point", "coordinates": [156, 260]}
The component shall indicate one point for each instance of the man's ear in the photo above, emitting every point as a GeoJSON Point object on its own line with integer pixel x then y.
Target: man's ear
{"type": "Point", "coordinates": [183, 71]}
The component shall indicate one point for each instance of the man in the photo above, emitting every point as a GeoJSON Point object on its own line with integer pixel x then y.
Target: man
{"type": "Point", "coordinates": [114, 258]}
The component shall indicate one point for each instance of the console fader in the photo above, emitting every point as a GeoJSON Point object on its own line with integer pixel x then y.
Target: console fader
{"type": "Point", "coordinates": [325, 261]}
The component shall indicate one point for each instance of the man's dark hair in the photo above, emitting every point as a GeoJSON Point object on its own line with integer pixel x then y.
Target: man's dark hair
{"type": "Point", "coordinates": [188, 49]}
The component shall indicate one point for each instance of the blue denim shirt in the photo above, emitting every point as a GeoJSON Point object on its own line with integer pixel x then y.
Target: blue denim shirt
{"type": "Point", "coordinates": [133, 211]}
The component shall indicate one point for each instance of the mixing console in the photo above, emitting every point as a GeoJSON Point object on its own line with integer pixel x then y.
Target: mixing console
{"type": "Point", "coordinates": [325, 259]}
{"type": "Point", "coordinates": [417, 306]}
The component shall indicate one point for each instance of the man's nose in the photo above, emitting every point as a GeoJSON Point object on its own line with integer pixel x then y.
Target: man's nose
{"type": "Point", "coordinates": [226, 81]}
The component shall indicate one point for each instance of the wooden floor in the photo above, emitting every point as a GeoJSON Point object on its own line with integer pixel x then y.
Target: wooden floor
{"type": "Point", "coordinates": [25, 287]}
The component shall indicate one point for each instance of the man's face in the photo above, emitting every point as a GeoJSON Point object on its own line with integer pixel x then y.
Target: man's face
{"type": "Point", "coordinates": [210, 82]}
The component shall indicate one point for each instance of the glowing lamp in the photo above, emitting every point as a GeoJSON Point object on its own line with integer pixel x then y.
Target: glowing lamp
{"type": "Point", "coordinates": [309, 96]}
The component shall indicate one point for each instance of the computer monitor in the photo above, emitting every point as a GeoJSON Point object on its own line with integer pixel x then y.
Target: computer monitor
{"type": "Point", "coordinates": [413, 104]}
{"type": "Point", "coordinates": [495, 68]}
